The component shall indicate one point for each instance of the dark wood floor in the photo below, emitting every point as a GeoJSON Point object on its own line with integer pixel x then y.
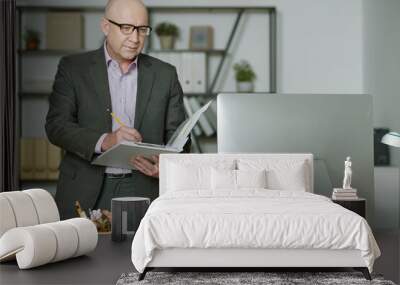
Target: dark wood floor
{"type": "Point", "coordinates": [389, 262]}
{"type": "Point", "coordinates": [105, 266]}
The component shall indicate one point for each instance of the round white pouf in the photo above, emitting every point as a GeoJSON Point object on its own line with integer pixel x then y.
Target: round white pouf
{"type": "Point", "coordinates": [45, 205]}
{"type": "Point", "coordinates": [33, 246]}
{"type": "Point", "coordinates": [67, 240]}
{"type": "Point", "coordinates": [23, 208]}
{"type": "Point", "coordinates": [7, 218]}
{"type": "Point", "coordinates": [40, 244]}
{"type": "Point", "coordinates": [87, 235]}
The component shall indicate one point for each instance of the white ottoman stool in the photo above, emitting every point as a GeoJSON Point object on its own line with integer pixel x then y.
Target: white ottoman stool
{"type": "Point", "coordinates": [31, 232]}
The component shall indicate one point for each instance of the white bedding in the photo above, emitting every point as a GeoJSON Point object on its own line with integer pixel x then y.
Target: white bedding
{"type": "Point", "coordinates": [250, 218]}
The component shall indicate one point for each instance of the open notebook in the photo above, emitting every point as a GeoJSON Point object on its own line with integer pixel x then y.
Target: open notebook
{"type": "Point", "coordinates": [120, 154]}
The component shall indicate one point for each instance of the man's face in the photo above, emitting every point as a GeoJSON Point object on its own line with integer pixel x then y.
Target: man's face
{"type": "Point", "coordinates": [120, 46]}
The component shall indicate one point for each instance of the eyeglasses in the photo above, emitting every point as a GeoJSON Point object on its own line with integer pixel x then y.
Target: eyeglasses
{"type": "Point", "coordinates": [128, 29]}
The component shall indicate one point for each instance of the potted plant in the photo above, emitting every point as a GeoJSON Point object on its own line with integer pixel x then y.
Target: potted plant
{"type": "Point", "coordinates": [32, 39]}
{"type": "Point", "coordinates": [245, 76]}
{"type": "Point", "coordinates": [167, 33]}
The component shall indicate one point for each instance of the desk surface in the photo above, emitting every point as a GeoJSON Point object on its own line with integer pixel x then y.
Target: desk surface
{"type": "Point", "coordinates": [111, 259]}
{"type": "Point", "coordinates": [102, 266]}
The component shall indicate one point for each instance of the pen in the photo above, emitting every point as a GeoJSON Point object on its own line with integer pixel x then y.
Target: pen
{"type": "Point", "coordinates": [118, 120]}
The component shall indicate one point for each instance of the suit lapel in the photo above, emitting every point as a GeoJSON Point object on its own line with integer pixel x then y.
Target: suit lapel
{"type": "Point", "coordinates": [145, 84]}
{"type": "Point", "coordinates": [99, 76]}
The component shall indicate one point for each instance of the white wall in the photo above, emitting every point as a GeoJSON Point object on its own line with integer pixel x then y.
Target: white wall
{"type": "Point", "coordinates": [382, 63]}
{"type": "Point", "coordinates": [382, 75]}
{"type": "Point", "coordinates": [320, 46]}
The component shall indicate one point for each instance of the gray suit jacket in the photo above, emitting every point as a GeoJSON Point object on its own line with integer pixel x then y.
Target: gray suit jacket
{"type": "Point", "coordinates": [79, 114]}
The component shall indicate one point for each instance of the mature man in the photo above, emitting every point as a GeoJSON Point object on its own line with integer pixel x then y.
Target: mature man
{"type": "Point", "coordinates": [143, 92]}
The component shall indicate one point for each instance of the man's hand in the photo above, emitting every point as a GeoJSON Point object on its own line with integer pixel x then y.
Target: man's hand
{"type": "Point", "coordinates": [123, 133]}
{"type": "Point", "coordinates": [147, 166]}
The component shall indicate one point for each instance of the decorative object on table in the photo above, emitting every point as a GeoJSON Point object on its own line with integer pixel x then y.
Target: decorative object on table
{"type": "Point", "coordinates": [135, 208]}
{"type": "Point", "coordinates": [31, 231]}
{"type": "Point", "coordinates": [347, 173]}
{"type": "Point", "coordinates": [32, 39]}
{"type": "Point", "coordinates": [101, 219]}
{"type": "Point", "coordinates": [81, 213]}
{"type": "Point", "coordinates": [381, 150]}
{"type": "Point", "coordinates": [392, 139]}
{"type": "Point", "coordinates": [347, 192]}
{"type": "Point", "coordinates": [64, 30]}
{"type": "Point", "coordinates": [344, 194]}
{"type": "Point", "coordinates": [245, 76]}
{"type": "Point", "coordinates": [201, 37]}
{"type": "Point", "coordinates": [167, 32]}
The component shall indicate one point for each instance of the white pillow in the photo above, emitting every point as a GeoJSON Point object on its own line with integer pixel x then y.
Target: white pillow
{"type": "Point", "coordinates": [282, 174]}
{"type": "Point", "coordinates": [251, 178]}
{"type": "Point", "coordinates": [188, 174]}
{"type": "Point", "coordinates": [182, 177]}
{"type": "Point", "coordinates": [223, 179]}
{"type": "Point", "coordinates": [237, 179]}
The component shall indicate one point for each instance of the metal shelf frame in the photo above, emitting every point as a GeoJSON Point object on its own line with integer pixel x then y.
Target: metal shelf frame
{"type": "Point", "coordinates": [24, 7]}
{"type": "Point", "coordinates": [239, 13]}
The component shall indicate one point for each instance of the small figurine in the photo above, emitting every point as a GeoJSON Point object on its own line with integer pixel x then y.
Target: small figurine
{"type": "Point", "coordinates": [107, 214]}
{"type": "Point", "coordinates": [101, 219]}
{"type": "Point", "coordinates": [81, 213]}
{"type": "Point", "coordinates": [95, 215]}
{"type": "Point", "coordinates": [347, 174]}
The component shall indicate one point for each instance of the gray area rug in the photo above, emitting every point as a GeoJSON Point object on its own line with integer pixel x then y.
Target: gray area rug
{"type": "Point", "coordinates": [229, 278]}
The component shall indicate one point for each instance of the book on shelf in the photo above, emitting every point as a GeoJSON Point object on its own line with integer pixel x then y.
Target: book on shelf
{"type": "Point", "coordinates": [27, 167]}
{"type": "Point", "coordinates": [53, 161]}
{"type": "Point", "coordinates": [344, 194]}
{"type": "Point", "coordinates": [203, 121]}
{"type": "Point", "coordinates": [344, 198]}
{"type": "Point", "coordinates": [198, 69]}
{"type": "Point", "coordinates": [211, 114]}
{"type": "Point", "coordinates": [341, 190]}
{"type": "Point", "coordinates": [190, 68]}
{"type": "Point", "coordinates": [39, 159]}
{"type": "Point", "coordinates": [189, 112]}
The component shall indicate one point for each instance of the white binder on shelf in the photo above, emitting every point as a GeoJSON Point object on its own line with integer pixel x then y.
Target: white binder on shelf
{"type": "Point", "coordinates": [211, 114]}
{"type": "Point", "coordinates": [186, 80]}
{"type": "Point", "coordinates": [174, 58]}
{"type": "Point", "coordinates": [198, 70]}
{"type": "Point", "coordinates": [203, 122]}
{"type": "Point", "coordinates": [189, 112]}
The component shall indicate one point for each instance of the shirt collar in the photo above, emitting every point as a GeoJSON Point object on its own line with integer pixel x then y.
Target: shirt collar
{"type": "Point", "coordinates": [109, 59]}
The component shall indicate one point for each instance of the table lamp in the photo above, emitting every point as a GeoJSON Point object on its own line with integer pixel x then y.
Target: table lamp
{"type": "Point", "coordinates": [392, 139]}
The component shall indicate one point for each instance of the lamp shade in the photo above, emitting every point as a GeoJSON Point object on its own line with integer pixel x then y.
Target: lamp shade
{"type": "Point", "coordinates": [392, 139]}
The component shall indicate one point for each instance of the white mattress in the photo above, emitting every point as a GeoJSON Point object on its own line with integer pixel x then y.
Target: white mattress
{"type": "Point", "coordinates": [251, 218]}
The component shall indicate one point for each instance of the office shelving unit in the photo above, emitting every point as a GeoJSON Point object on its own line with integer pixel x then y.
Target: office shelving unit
{"type": "Point", "coordinates": [153, 7]}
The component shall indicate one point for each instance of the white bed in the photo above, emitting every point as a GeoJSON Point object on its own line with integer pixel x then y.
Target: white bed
{"type": "Point", "coordinates": [202, 220]}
